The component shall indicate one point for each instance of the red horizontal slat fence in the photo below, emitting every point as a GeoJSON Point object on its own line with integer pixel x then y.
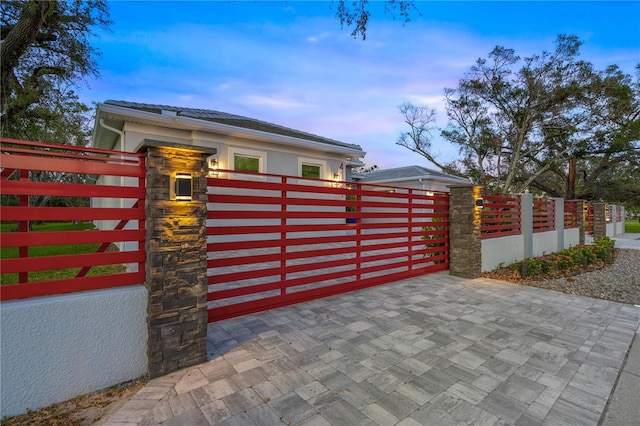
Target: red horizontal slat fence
{"type": "Point", "coordinates": [276, 240]}
{"type": "Point", "coordinates": [544, 215]}
{"type": "Point", "coordinates": [51, 183]}
{"type": "Point", "coordinates": [500, 215]}
{"type": "Point", "coordinates": [571, 214]}
{"type": "Point", "coordinates": [589, 219]}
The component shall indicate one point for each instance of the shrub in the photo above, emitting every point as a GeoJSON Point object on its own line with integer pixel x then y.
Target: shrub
{"type": "Point", "coordinates": [567, 259]}
{"type": "Point", "coordinates": [435, 227]}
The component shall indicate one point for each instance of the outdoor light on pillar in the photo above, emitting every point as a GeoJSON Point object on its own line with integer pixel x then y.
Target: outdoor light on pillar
{"type": "Point", "coordinates": [183, 187]}
{"type": "Point", "coordinates": [479, 202]}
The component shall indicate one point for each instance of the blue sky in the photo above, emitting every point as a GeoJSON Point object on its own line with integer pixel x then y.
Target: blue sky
{"type": "Point", "coordinates": [291, 64]}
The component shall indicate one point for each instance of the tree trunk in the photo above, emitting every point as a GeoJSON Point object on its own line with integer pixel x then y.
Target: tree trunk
{"type": "Point", "coordinates": [570, 191]}
{"type": "Point", "coordinates": [18, 40]}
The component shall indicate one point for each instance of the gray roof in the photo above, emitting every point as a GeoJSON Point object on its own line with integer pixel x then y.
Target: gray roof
{"type": "Point", "coordinates": [230, 119]}
{"type": "Point", "coordinates": [408, 173]}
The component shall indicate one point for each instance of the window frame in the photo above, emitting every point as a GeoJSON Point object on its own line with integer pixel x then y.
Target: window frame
{"type": "Point", "coordinates": [249, 153]}
{"type": "Point", "coordinates": [313, 162]}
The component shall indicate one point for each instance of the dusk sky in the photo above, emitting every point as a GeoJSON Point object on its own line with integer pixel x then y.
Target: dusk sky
{"type": "Point", "coordinates": [291, 64]}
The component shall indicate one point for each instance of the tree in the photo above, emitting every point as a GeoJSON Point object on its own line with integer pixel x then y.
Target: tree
{"type": "Point", "coordinates": [421, 122]}
{"type": "Point", "coordinates": [540, 122]}
{"type": "Point", "coordinates": [45, 52]}
{"type": "Point", "coordinates": [607, 139]}
{"type": "Point", "coordinates": [356, 13]}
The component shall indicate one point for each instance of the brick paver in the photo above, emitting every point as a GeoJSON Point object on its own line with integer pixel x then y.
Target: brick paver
{"type": "Point", "coordinates": [431, 350]}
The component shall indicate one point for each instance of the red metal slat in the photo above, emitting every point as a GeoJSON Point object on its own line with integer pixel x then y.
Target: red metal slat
{"type": "Point", "coordinates": [243, 214]}
{"type": "Point", "coordinates": [243, 291]}
{"type": "Point", "coordinates": [244, 275]}
{"type": "Point", "coordinates": [70, 166]}
{"type": "Point", "coordinates": [504, 220]}
{"type": "Point", "coordinates": [264, 258]}
{"type": "Point", "coordinates": [10, 213]}
{"type": "Point", "coordinates": [47, 263]}
{"type": "Point", "coordinates": [83, 149]}
{"type": "Point", "coordinates": [501, 234]}
{"type": "Point", "coordinates": [46, 155]}
{"type": "Point", "coordinates": [14, 239]}
{"type": "Point", "coordinates": [293, 201]}
{"type": "Point", "coordinates": [23, 187]}
{"type": "Point", "coordinates": [48, 288]}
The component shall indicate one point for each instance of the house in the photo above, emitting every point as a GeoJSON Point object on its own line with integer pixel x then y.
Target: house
{"type": "Point", "coordinates": [414, 177]}
{"type": "Point", "coordinates": [242, 143]}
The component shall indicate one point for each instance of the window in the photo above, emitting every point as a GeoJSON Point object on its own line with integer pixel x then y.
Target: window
{"type": "Point", "coordinates": [311, 171]}
{"type": "Point", "coordinates": [247, 160]}
{"type": "Point", "coordinates": [244, 163]}
{"type": "Point", "coordinates": [312, 168]}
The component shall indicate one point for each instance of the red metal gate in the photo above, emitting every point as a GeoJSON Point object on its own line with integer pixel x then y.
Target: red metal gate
{"type": "Point", "coordinates": [277, 240]}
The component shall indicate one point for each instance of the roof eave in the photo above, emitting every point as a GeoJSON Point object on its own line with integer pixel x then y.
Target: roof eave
{"type": "Point", "coordinates": [419, 177]}
{"type": "Point", "coordinates": [225, 129]}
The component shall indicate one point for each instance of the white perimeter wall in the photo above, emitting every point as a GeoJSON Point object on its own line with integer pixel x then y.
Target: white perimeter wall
{"type": "Point", "coordinates": [504, 250]}
{"type": "Point", "coordinates": [56, 348]}
{"type": "Point", "coordinates": [545, 243]}
{"type": "Point", "coordinates": [571, 237]}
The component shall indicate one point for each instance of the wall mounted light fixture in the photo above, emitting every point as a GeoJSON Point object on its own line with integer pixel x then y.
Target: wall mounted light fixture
{"type": "Point", "coordinates": [212, 164]}
{"type": "Point", "coordinates": [183, 187]}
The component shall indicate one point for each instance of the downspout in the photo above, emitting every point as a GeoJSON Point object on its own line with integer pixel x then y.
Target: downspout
{"type": "Point", "coordinates": [113, 129]}
{"type": "Point", "coordinates": [120, 133]}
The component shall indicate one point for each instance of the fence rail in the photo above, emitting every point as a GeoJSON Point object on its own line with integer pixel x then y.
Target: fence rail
{"type": "Point", "coordinates": [589, 217]}
{"type": "Point", "coordinates": [276, 240]}
{"type": "Point", "coordinates": [43, 182]}
{"type": "Point", "coordinates": [544, 215]}
{"type": "Point", "coordinates": [500, 216]}
{"type": "Point", "coordinates": [570, 214]}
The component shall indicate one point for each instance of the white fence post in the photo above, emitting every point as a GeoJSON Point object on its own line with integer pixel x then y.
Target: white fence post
{"type": "Point", "coordinates": [559, 209]}
{"type": "Point", "coordinates": [526, 223]}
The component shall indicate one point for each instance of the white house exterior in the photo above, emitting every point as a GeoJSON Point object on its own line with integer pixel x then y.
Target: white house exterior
{"type": "Point", "coordinates": [268, 147]}
{"type": "Point", "coordinates": [414, 177]}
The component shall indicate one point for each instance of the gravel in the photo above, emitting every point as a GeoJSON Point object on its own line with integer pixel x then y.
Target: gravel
{"type": "Point", "coordinates": [618, 282]}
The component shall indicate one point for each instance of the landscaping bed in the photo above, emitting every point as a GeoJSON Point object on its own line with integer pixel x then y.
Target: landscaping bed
{"type": "Point", "coordinates": [615, 277]}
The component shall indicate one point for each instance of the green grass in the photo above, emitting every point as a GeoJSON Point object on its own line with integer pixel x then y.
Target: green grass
{"type": "Point", "coordinates": [48, 226]}
{"type": "Point", "coordinates": [54, 250]}
{"type": "Point", "coordinates": [632, 226]}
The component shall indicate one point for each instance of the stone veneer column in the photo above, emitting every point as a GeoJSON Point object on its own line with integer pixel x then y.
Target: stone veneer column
{"type": "Point", "coordinates": [599, 220]}
{"type": "Point", "coordinates": [176, 251]}
{"type": "Point", "coordinates": [465, 241]}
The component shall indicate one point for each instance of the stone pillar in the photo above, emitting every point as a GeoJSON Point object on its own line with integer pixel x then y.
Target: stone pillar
{"type": "Point", "coordinates": [599, 220]}
{"type": "Point", "coordinates": [465, 241]}
{"type": "Point", "coordinates": [176, 265]}
{"type": "Point", "coordinates": [581, 206]}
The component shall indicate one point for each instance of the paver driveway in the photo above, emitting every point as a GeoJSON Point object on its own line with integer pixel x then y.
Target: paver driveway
{"type": "Point", "coordinates": [432, 350]}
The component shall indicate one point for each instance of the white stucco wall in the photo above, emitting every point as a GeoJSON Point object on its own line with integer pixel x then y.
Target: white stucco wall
{"type": "Point", "coordinates": [610, 229]}
{"type": "Point", "coordinates": [571, 237]}
{"type": "Point", "coordinates": [501, 251]}
{"type": "Point", "coordinates": [545, 243]}
{"type": "Point", "coordinates": [56, 348]}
